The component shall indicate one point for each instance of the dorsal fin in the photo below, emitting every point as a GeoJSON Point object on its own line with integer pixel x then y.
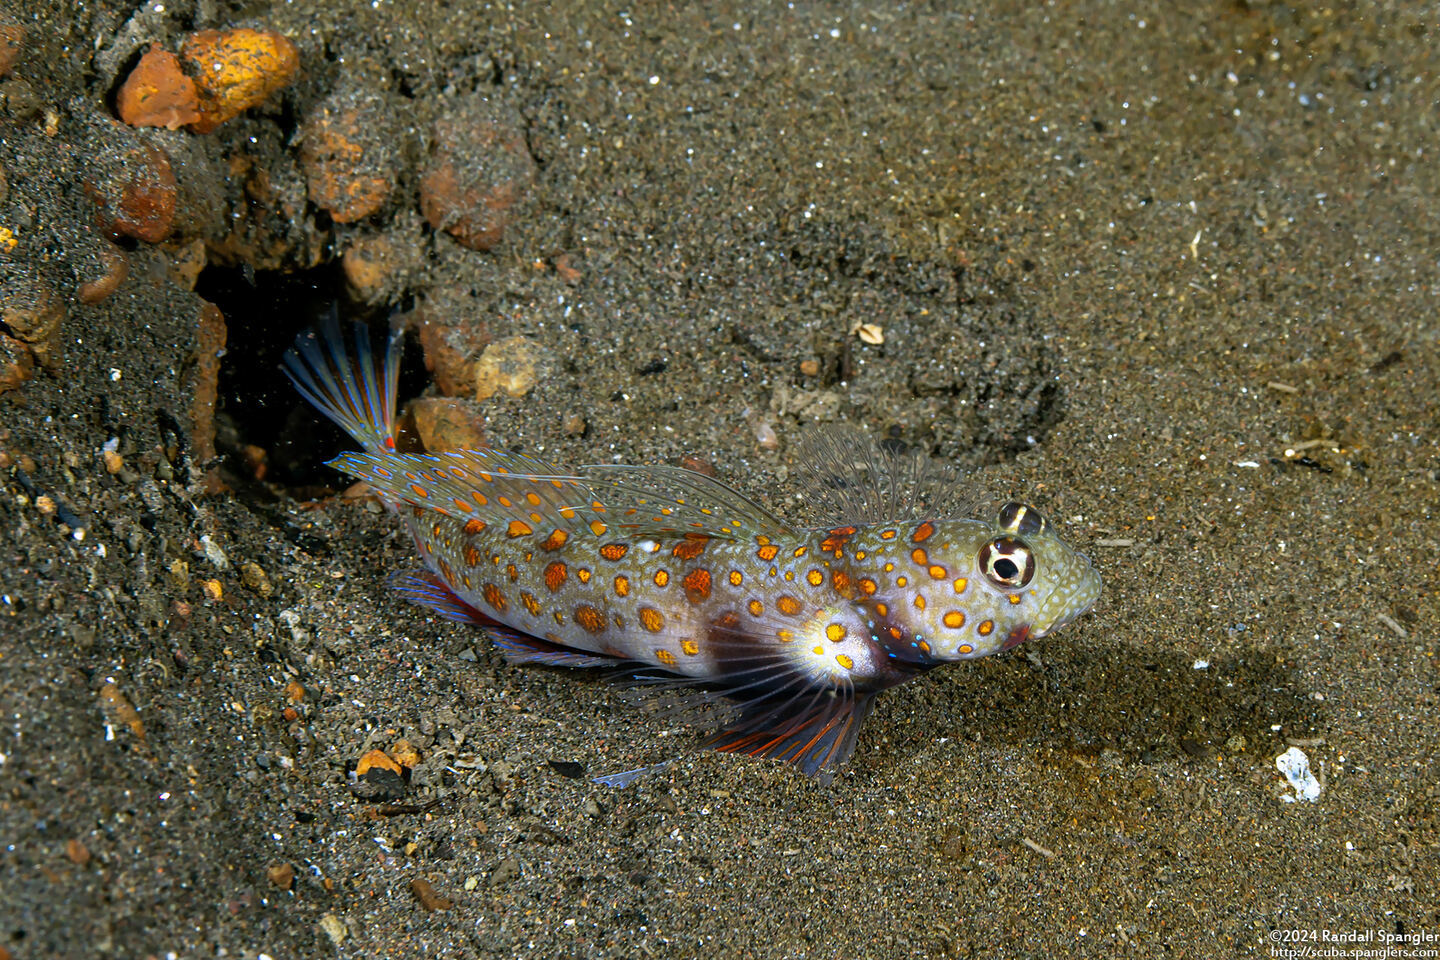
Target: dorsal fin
{"type": "Point", "coordinates": [848, 478]}
{"type": "Point", "coordinates": [489, 486]}
{"type": "Point", "coordinates": [664, 502]}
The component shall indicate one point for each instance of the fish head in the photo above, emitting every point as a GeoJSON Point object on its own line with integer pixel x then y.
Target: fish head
{"type": "Point", "coordinates": [968, 588]}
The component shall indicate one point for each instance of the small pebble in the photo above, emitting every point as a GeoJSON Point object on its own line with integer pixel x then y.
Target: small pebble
{"type": "Point", "coordinates": [334, 928]}
{"type": "Point", "coordinates": [213, 589]}
{"type": "Point", "coordinates": [810, 368]}
{"type": "Point", "coordinates": [574, 425]}
{"type": "Point", "coordinates": [77, 852]}
{"type": "Point", "coordinates": [254, 578]}
{"type": "Point", "coordinates": [281, 875]}
{"type": "Point", "coordinates": [766, 437]}
{"type": "Point", "coordinates": [429, 899]}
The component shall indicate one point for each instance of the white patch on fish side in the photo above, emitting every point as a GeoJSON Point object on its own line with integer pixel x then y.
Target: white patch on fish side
{"type": "Point", "coordinates": [1296, 767]}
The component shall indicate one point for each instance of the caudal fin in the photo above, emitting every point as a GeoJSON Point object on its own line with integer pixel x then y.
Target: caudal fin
{"type": "Point", "coordinates": [342, 379]}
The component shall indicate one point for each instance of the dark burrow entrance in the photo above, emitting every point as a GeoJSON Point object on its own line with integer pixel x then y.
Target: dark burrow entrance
{"type": "Point", "coordinates": [268, 436]}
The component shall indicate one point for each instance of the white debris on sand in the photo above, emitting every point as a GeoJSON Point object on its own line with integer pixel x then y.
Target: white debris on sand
{"type": "Point", "coordinates": [1296, 767]}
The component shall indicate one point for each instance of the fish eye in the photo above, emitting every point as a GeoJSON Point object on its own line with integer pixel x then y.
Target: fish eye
{"type": "Point", "coordinates": [1019, 519]}
{"type": "Point", "coordinates": [1008, 563]}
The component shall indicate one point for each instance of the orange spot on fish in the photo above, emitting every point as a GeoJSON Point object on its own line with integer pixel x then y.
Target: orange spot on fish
{"type": "Point", "coordinates": [583, 575]}
{"type": "Point", "coordinates": [692, 546]}
{"type": "Point", "coordinates": [867, 586]}
{"type": "Point", "coordinates": [493, 596]}
{"type": "Point", "coordinates": [589, 618]}
{"type": "Point", "coordinates": [662, 578]}
{"type": "Point", "coordinates": [919, 601]}
{"type": "Point", "coordinates": [504, 501]}
{"type": "Point", "coordinates": [555, 575]}
{"type": "Point", "coordinates": [690, 647]}
{"type": "Point", "coordinates": [736, 578]}
{"type": "Point", "coordinates": [954, 619]}
{"type": "Point", "coordinates": [651, 619]}
{"type": "Point", "coordinates": [534, 500]}
{"type": "Point", "coordinates": [966, 648]}
{"type": "Point", "coordinates": [882, 609]}
{"type": "Point", "coordinates": [922, 532]}
{"type": "Point", "coordinates": [622, 586]}
{"type": "Point", "coordinates": [531, 603]}
{"type": "Point", "coordinates": [462, 506]}
{"type": "Point", "coordinates": [598, 527]}
{"type": "Point", "coordinates": [474, 526]}
{"type": "Point", "coordinates": [836, 632]}
{"type": "Point", "coordinates": [614, 551]}
{"type": "Point", "coordinates": [472, 555]}
{"type": "Point", "coordinates": [767, 552]}
{"type": "Point", "coordinates": [815, 577]}
{"type": "Point", "coordinates": [887, 534]}
{"type": "Point", "coordinates": [788, 605]}
{"type": "Point", "coordinates": [479, 498]}
{"type": "Point", "coordinates": [555, 541]}
{"type": "Point", "coordinates": [938, 572]}
{"type": "Point", "coordinates": [985, 628]}
{"type": "Point", "coordinates": [697, 585]}
{"type": "Point", "coordinates": [519, 528]}
{"type": "Point", "coordinates": [756, 608]}
{"type": "Point", "coordinates": [918, 555]}
{"type": "Point", "coordinates": [419, 490]}
{"type": "Point", "coordinates": [665, 657]}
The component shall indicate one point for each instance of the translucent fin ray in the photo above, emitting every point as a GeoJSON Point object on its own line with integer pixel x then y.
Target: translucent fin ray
{"type": "Point", "coordinates": [848, 478]}
{"type": "Point", "coordinates": [664, 502]}
{"type": "Point", "coordinates": [342, 380]}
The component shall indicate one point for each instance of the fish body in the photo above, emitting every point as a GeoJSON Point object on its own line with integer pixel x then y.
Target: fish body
{"type": "Point", "coordinates": [610, 564]}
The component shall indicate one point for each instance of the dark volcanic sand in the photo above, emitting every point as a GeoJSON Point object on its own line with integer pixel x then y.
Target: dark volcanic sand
{"type": "Point", "coordinates": [1123, 262]}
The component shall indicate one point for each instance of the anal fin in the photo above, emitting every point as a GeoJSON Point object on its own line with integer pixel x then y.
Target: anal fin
{"type": "Point", "coordinates": [427, 589]}
{"type": "Point", "coordinates": [814, 733]}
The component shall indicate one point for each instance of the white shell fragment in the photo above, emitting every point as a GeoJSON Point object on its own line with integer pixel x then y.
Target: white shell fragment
{"type": "Point", "coordinates": [1296, 767]}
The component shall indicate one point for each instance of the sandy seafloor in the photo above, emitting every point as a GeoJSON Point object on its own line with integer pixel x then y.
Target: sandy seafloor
{"type": "Point", "coordinates": [1096, 237]}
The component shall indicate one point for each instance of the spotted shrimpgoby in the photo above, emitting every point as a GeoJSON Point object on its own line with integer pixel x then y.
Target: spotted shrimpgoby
{"type": "Point", "coordinates": [662, 567]}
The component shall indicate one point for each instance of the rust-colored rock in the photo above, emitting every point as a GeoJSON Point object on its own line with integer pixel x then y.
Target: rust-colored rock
{"type": "Point", "coordinates": [77, 852]}
{"type": "Point", "coordinates": [449, 355]}
{"type": "Point", "coordinates": [430, 901]}
{"type": "Point", "coordinates": [12, 39]}
{"type": "Point", "coordinates": [136, 195]}
{"type": "Point", "coordinates": [347, 153]}
{"type": "Point", "coordinates": [235, 70]}
{"type": "Point", "coordinates": [404, 753]}
{"type": "Point", "coordinates": [369, 263]}
{"type": "Point", "coordinates": [158, 93]}
{"type": "Point", "coordinates": [33, 312]}
{"type": "Point", "coordinates": [479, 170]}
{"type": "Point", "coordinates": [376, 758]}
{"type": "Point", "coordinates": [210, 336]}
{"type": "Point", "coordinates": [448, 423]}
{"type": "Point", "coordinates": [17, 364]}
{"type": "Point", "coordinates": [114, 267]}
{"type": "Point", "coordinates": [512, 366]}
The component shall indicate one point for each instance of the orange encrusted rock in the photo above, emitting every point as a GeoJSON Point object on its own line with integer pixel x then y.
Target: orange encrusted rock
{"type": "Point", "coordinates": [480, 169]}
{"type": "Point", "coordinates": [347, 156]}
{"type": "Point", "coordinates": [376, 758]}
{"type": "Point", "coordinates": [237, 69]}
{"type": "Point", "coordinates": [136, 195]}
{"type": "Point", "coordinates": [158, 93]}
{"type": "Point", "coordinates": [448, 423]}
